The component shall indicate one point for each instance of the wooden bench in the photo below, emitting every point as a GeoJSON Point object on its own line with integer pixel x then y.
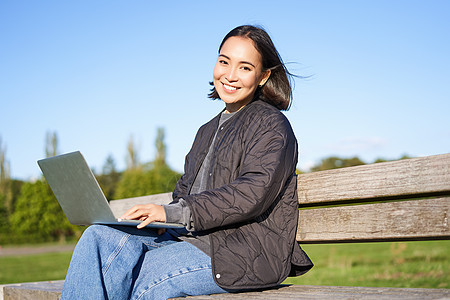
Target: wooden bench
{"type": "Point", "coordinates": [405, 200]}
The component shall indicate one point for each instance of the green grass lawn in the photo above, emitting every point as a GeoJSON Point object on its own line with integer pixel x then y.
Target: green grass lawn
{"type": "Point", "coordinates": [38, 267]}
{"type": "Point", "coordinates": [406, 264]}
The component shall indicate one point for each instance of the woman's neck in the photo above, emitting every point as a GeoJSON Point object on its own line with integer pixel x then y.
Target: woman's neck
{"type": "Point", "coordinates": [230, 108]}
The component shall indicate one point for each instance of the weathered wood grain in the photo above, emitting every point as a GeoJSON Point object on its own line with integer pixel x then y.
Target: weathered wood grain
{"type": "Point", "coordinates": [333, 292]}
{"type": "Point", "coordinates": [52, 290]}
{"type": "Point", "coordinates": [46, 290]}
{"type": "Point", "coordinates": [407, 220]}
{"type": "Point", "coordinates": [404, 178]}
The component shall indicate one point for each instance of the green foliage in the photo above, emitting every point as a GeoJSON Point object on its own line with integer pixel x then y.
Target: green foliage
{"type": "Point", "coordinates": [29, 211]}
{"type": "Point", "coordinates": [51, 144]}
{"type": "Point", "coordinates": [4, 165]}
{"type": "Point", "coordinates": [109, 178]}
{"type": "Point", "coordinates": [336, 162]}
{"type": "Point", "coordinates": [133, 183]}
{"type": "Point", "coordinates": [132, 155]}
{"type": "Point", "coordinates": [160, 158]}
{"type": "Point", "coordinates": [378, 160]}
{"type": "Point", "coordinates": [142, 181]}
{"type": "Point", "coordinates": [164, 179]}
{"type": "Point", "coordinates": [38, 214]}
{"type": "Point", "coordinates": [3, 215]}
{"type": "Point", "coordinates": [152, 178]}
{"type": "Point", "coordinates": [13, 193]}
{"type": "Point", "coordinates": [7, 207]}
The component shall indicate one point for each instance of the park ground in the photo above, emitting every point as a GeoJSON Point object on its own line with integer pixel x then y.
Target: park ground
{"type": "Point", "coordinates": [396, 264]}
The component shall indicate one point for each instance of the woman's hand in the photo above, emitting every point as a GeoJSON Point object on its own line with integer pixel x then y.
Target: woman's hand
{"type": "Point", "coordinates": [147, 213]}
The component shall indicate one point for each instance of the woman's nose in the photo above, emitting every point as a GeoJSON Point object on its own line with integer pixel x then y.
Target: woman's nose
{"type": "Point", "coordinates": [231, 74]}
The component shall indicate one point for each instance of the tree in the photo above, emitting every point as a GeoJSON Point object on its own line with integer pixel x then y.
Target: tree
{"type": "Point", "coordinates": [132, 155]}
{"type": "Point", "coordinates": [404, 156]}
{"type": "Point", "coordinates": [160, 158]}
{"type": "Point", "coordinates": [109, 178]}
{"type": "Point", "coordinates": [163, 177]}
{"type": "Point", "coordinates": [51, 144]}
{"type": "Point", "coordinates": [4, 170]}
{"type": "Point", "coordinates": [336, 162]}
{"type": "Point", "coordinates": [151, 178]}
{"type": "Point", "coordinates": [4, 165]}
{"type": "Point", "coordinates": [134, 183]}
{"type": "Point", "coordinates": [3, 216]}
{"type": "Point", "coordinates": [7, 199]}
{"type": "Point", "coordinates": [38, 216]}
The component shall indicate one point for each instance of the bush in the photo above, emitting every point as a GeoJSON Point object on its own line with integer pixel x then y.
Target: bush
{"type": "Point", "coordinates": [38, 215]}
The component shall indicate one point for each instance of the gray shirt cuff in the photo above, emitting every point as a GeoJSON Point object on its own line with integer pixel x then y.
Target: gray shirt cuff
{"type": "Point", "coordinates": [179, 213]}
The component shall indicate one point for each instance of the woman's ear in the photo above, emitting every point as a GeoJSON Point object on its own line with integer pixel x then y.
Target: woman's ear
{"type": "Point", "coordinates": [264, 77]}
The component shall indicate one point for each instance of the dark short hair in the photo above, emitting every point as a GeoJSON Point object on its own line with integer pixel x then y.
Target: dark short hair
{"type": "Point", "coordinates": [277, 90]}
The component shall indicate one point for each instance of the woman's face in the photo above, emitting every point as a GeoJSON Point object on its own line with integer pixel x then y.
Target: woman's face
{"type": "Point", "coordinates": [238, 72]}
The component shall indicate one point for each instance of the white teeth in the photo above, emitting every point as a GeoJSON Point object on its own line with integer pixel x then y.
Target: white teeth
{"type": "Point", "coordinates": [230, 88]}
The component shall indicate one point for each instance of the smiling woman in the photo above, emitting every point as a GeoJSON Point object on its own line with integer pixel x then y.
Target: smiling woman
{"type": "Point", "coordinates": [236, 200]}
{"type": "Point", "coordinates": [238, 73]}
{"type": "Point", "coordinates": [263, 59]}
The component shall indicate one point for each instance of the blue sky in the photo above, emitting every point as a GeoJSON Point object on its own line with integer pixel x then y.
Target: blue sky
{"type": "Point", "coordinates": [98, 72]}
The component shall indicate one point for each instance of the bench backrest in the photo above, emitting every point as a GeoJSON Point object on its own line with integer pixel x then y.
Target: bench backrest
{"type": "Point", "coordinates": [392, 201]}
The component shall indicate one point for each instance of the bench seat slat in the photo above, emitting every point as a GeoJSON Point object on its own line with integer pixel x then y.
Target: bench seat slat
{"type": "Point", "coordinates": [52, 290]}
{"type": "Point", "coordinates": [415, 177]}
{"type": "Point", "coordinates": [392, 221]}
{"type": "Point", "coordinates": [333, 292]}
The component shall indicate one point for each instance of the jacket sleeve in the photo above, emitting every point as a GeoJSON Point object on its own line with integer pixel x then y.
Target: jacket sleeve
{"type": "Point", "coordinates": [179, 213]}
{"type": "Point", "coordinates": [269, 157]}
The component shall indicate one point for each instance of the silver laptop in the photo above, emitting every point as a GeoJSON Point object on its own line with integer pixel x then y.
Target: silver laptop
{"type": "Point", "coordinates": [79, 193]}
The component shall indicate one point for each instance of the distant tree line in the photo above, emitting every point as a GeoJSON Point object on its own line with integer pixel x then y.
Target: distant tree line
{"type": "Point", "coordinates": [29, 211]}
{"type": "Point", "coordinates": [335, 162]}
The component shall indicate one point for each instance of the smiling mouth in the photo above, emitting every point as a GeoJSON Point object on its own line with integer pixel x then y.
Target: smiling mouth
{"type": "Point", "coordinates": [229, 87]}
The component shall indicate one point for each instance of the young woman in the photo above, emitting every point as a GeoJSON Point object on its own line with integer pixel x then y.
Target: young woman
{"type": "Point", "coordinates": [237, 198]}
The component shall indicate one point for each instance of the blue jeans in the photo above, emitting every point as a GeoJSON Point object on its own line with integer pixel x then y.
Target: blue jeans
{"type": "Point", "coordinates": [120, 262]}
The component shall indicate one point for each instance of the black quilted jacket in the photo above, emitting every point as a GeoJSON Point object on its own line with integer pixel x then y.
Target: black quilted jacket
{"type": "Point", "coordinates": [250, 205]}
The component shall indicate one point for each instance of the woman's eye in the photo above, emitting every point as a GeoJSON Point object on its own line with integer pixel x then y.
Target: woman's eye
{"type": "Point", "coordinates": [222, 62]}
{"type": "Point", "coordinates": [246, 68]}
